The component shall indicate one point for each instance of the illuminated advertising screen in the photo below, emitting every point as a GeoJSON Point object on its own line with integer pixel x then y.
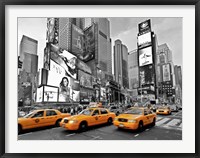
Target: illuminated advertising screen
{"type": "Point", "coordinates": [39, 95]}
{"type": "Point", "coordinates": [50, 94]}
{"type": "Point", "coordinates": [77, 41]}
{"type": "Point", "coordinates": [144, 26]}
{"type": "Point", "coordinates": [103, 93]}
{"type": "Point", "coordinates": [144, 40]}
{"type": "Point", "coordinates": [85, 79]}
{"type": "Point", "coordinates": [166, 73]}
{"type": "Point", "coordinates": [89, 43]}
{"type": "Point", "coordinates": [145, 56]}
{"type": "Point", "coordinates": [146, 74]}
{"type": "Point", "coordinates": [69, 88]}
{"type": "Point", "coordinates": [66, 60]}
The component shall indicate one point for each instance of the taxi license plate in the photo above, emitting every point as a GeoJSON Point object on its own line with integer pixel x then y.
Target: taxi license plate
{"type": "Point", "coordinates": [121, 125]}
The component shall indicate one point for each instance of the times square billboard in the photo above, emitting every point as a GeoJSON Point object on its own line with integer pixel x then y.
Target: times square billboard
{"type": "Point", "coordinates": [146, 74]}
{"type": "Point", "coordinates": [69, 89]}
{"type": "Point", "coordinates": [83, 43]}
{"type": "Point", "coordinates": [144, 40]}
{"type": "Point", "coordinates": [145, 56]}
{"type": "Point", "coordinates": [85, 79]}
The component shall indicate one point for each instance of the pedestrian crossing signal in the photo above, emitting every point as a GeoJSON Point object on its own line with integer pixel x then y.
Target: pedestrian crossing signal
{"type": "Point", "coordinates": [19, 63]}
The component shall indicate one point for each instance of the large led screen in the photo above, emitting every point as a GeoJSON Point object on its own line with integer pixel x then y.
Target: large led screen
{"type": "Point", "coordinates": [146, 74]}
{"type": "Point", "coordinates": [67, 61]}
{"type": "Point", "coordinates": [166, 73]}
{"type": "Point", "coordinates": [50, 94]}
{"type": "Point", "coordinates": [85, 79]}
{"type": "Point", "coordinates": [89, 43]}
{"type": "Point", "coordinates": [77, 41]}
{"type": "Point", "coordinates": [144, 40]}
{"type": "Point", "coordinates": [145, 56]}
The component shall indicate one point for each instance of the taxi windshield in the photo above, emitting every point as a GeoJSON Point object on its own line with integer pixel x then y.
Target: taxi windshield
{"type": "Point", "coordinates": [29, 115]}
{"type": "Point", "coordinates": [86, 112]}
{"type": "Point", "coordinates": [134, 111]}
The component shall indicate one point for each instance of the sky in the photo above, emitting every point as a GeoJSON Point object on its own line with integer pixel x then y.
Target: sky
{"type": "Point", "coordinates": [168, 30]}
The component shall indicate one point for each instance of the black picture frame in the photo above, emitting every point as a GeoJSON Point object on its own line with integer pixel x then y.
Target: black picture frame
{"type": "Point", "coordinates": [4, 3]}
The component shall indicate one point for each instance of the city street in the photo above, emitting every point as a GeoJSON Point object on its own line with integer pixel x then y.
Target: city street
{"type": "Point", "coordinates": [168, 127]}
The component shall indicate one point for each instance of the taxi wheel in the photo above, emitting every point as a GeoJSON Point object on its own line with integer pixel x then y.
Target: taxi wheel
{"type": "Point", "coordinates": [83, 126]}
{"type": "Point", "coordinates": [154, 122]}
{"type": "Point", "coordinates": [19, 129]}
{"type": "Point", "coordinates": [57, 123]}
{"type": "Point", "coordinates": [140, 126]}
{"type": "Point", "coordinates": [110, 121]}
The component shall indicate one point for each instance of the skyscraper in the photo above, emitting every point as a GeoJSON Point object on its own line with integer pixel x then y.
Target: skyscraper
{"type": "Point", "coordinates": [121, 63]}
{"type": "Point", "coordinates": [133, 69]}
{"type": "Point", "coordinates": [104, 44]}
{"type": "Point", "coordinates": [27, 45]}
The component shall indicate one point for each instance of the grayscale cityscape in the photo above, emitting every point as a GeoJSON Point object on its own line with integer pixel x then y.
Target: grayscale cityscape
{"type": "Point", "coordinates": [99, 78]}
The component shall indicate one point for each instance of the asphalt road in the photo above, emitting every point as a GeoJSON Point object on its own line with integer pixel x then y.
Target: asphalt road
{"type": "Point", "coordinates": [167, 128]}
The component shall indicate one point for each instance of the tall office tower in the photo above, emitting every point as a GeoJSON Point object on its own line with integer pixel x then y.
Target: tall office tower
{"type": "Point", "coordinates": [165, 69]}
{"type": "Point", "coordinates": [27, 45]}
{"type": "Point", "coordinates": [104, 44]}
{"type": "Point", "coordinates": [133, 69]}
{"type": "Point", "coordinates": [121, 63]}
{"type": "Point", "coordinates": [28, 74]}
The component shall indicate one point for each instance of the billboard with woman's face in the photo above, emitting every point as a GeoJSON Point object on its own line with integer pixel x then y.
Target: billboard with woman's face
{"type": "Point", "coordinates": [68, 87]}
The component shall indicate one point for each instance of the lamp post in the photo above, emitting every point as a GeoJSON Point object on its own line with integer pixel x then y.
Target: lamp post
{"type": "Point", "coordinates": [118, 88]}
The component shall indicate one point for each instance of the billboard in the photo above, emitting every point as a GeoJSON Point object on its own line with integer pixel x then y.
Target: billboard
{"type": "Point", "coordinates": [89, 43]}
{"type": "Point", "coordinates": [50, 94]}
{"type": "Point", "coordinates": [85, 79]}
{"type": "Point", "coordinates": [77, 41]}
{"type": "Point", "coordinates": [166, 73]}
{"type": "Point", "coordinates": [144, 40]}
{"type": "Point", "coordinates": [66, 60]}
{"type": "Point", "coordinates": [39, 95]}
{"type": "Point", "coordinates": [146, 74]}
{"type": "Point", "coordinates": [144, 26]}
{"type": "Point", "coordinates": [83, 66]}
{"type": "Point", "coordinates": [145, 56]}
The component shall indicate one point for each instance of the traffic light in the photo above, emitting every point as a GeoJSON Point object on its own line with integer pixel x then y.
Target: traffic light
{"type": "Point", "coordinates": [19, 63]}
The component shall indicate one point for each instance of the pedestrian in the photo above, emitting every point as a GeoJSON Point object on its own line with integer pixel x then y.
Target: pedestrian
{"type": "Point", "coordinates": [72, 111]}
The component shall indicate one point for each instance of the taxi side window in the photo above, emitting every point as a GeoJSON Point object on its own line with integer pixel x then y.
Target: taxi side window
{"type": "Point", "coordinates": [50, 113]}
{"type": "Point", "coordinates": [38, 114]}
{"type": "Point", "coordinates": [104, 111]}
{"type": "Point", "coordinates": [96, 112]}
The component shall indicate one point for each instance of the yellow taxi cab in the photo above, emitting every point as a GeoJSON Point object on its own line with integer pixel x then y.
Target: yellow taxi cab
{"type": "Point", "coordinates": [86, 118]}
{"type": "Point", "coordinates": [40, 118]}
{"type": "Point", "coordinates": [163, 110]}
{"type": "Point", "coordinates": [135, 118]}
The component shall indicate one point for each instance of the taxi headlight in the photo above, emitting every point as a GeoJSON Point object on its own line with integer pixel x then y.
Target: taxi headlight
{"type": "Point", "coordinates": [132, 121]}
{"type": "Point", "coordinates": [72, 121]}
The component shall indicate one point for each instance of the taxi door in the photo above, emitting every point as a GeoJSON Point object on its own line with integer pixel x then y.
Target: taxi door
{"type": "Point", "coordinates": [95, 117]}
{"type": "Point", "coordinates": [104, 115]}
{"type": "Point", "coordinates": [37, 120]}
{"type": "Point", "coordinates": [151, 116]}
{"type": "Point", "coordinates": [146, 117]}
{"type": "Point", "coordinates": [50, 117]}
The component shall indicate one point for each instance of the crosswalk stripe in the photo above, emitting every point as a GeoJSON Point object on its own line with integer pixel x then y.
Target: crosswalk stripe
{"type": "Point", "coordinates": [158, 118]}
{"type": "Point", "coordinates": [158, 123]}
{"type": "Point", "coordinates": [173, 122]}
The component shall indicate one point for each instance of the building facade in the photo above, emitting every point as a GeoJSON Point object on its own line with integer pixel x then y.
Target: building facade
{"type": "Point", "coordinates": [121, 64]}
